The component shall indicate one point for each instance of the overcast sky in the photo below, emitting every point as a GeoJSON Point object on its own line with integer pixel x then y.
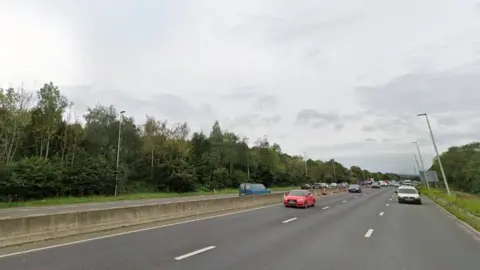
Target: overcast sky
{"type": "Point", "coordinates": [335, 79]}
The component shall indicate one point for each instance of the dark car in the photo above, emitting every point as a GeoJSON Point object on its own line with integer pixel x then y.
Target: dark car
{"type": "Point", "coordinates": [306, 186]}
{"type": "Point", "coordinates": [355, 188]}
{"type": "Point", "coordinates": [252, 189]}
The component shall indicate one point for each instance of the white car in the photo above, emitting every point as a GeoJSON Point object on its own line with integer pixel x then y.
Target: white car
{"type": "Point", "coordinates": [333, 185]}
{"type": "Point", "coordinates": [408, 194]}
{"type": "Point", "coordinates": [407, 183]}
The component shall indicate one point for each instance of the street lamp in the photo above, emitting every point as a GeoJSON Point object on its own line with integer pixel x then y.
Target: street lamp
{"type": "Point", "coordinates": [306, 165]}
{"type": "Point", "coordinates": [118, 150]}
{"type": "Point", "coordinates": [421, 162]}
{"type": "Point", "coordinates": [334, 173]}
{"type": "Point", "coordinates": [245, 140]}
{"type": "Point", "coordinates": [436, 151]}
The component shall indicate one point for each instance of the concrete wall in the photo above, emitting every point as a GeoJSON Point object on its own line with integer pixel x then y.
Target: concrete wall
{"type": "Point", "coordinates": [16, 231]}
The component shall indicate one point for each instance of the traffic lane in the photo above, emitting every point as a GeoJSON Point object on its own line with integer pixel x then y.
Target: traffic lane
{"type": "Point", "coordinates": [311, 242]}
{"type": "Point", "coordinates": [421, 237]}
{"type": "Point", "coordinates": [159, 246]}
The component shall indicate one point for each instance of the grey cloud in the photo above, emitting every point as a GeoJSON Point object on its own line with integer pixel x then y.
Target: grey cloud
{"type": "Point", "coordinates": [453, 90]}
{"type": "Point", "coordinates": [339, 126]}
{"type": "Point", "coordinates": [389, 162]}
{"type": "Point", "coordinates": [254, 120]}
{"type": "Point", "coordinates": [450, 97]}
{"type": "Point", "coordinates": [322, 119]}
{"type": "Point", "coordinates": [241, 92]}
{"type": "Point", "coordinates": [281, 30]}
{"type": "Point", "coordinates": [307, 116]}
{"type": "Point", "coordinates": [368, 128]}
{"type": "Point", "coordinates": [252, 93]}
{"type": "Point", "coordinates": [386, 140]}
{"type": "Point", "coordinates": [373, 155]}
{"type": "Point", "coordinates": [266, 102]}
{"type": "Point", "coordinates": [447, 121]}
{"type": "Point", "coordinates": [162, 106]}
{"type": "Point", "coordinates": [395, 124]}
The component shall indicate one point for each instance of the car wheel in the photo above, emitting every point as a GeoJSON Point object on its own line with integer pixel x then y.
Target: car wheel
{"type": "Point", "coordinates": [313, 204]}
{"type": "Point", "coordinates": [420, 202]}
{"type": "Point", "coordinates": [399, 201]}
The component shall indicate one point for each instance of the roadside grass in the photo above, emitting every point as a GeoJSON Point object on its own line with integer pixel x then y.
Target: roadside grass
{"type": "Point", "coordinates": [130, 196]}
{"type": "Point", "coordinates": [463, 205]}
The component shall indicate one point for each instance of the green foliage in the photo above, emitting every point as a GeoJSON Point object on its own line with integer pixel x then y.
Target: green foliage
{"type": "Point", "coordinates": [45, 153]}
{"type": "Point", "coordinates": [462, 167]}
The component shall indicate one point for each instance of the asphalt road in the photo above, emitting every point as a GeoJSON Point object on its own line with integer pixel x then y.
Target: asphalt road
{"type": "Point", "coordinates": [344, 231]}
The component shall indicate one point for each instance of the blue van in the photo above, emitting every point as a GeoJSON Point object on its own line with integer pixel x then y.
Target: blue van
{"type": "Point", "coordinates": [252, 189]}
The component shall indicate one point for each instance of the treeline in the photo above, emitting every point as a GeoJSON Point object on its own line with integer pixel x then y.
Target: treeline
{"type": "Point", "coordinates": [45, 152]}
{"type": "Point", "coordinates": [462, 167]}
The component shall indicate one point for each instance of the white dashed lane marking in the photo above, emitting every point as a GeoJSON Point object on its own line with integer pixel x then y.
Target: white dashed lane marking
{"type": "Point", "coordinates": [381, 214]}
{"type": "Point", "coordinates": [194, 253]}
{"type": "Point", "coordinates": [288, 220]}
{"type": "Point", "coordinates": [369, 233]}
{"type": "Point", "coordinates": [326, 207]}
{"type": "Point", "coordinates": [387, 204]}
{"type": "Point", "coordinates": [344, 201]}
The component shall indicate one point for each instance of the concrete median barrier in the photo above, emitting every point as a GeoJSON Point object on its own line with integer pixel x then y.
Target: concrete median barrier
{"type": "Point", "coordinates": [15, 231]}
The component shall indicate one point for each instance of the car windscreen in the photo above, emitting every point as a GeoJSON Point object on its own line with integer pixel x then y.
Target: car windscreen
{"type": "Point", "coordinates": [297, 193]}
{"type": "Point", "coordinates": [257, 187]}
{"type": "Point", "coordinates": [354, 186]}
{"type": "Point", "coordinates": [407, 191]}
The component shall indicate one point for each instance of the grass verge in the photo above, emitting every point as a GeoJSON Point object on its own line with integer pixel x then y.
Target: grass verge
{"type": "Point", "coordinates": [131, 196]}
{"type": "Point", "coordinates": [464, 206]}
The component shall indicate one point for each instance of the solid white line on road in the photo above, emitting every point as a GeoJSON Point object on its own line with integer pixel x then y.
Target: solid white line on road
{"type": "Point", "coordinates": [356, 197]}
{"type": "Point", "coordinates": [344, 201]}
{"type": "Point", "coordinates": [326, 207]}
{"type": "Point", "coordinates": [194, 253]}
{"type": "Point", "coordinates": [387, 204]}
{"type": "Point", "coordinates": [288, 220]}
{"type": "Point", "coordinates": [132, 231]}
{"type": "Point", "coordinates": [381, 214]}
{"type": "Point", "coordinates": [137, 231]}
{"type": "Point", "coordinates": [369, 233]}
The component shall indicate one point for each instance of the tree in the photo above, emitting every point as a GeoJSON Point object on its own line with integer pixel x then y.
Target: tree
{"type": "Point", "coordinates": [45, 151]}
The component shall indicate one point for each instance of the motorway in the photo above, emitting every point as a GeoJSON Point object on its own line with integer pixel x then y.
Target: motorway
{"type": "Point", "coordinates": [344, 231]}
{"type": "Point", "coordinates": [15, 212]}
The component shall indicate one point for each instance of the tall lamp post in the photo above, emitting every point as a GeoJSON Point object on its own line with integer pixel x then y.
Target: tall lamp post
{"type": "Point", "coordinates": [306, 165]}
{"type": "Point", "coordinates": [436, 152]}
{"type": "Point", "coordinates": [118, 151]}
{"type": "Point", "coordinates": [334, 173]}
{"type": "Point", "coordinates": [421, 163]}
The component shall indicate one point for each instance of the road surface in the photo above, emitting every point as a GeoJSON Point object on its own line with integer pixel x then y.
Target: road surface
{"type": "Point", "coordinates": [344, 231]}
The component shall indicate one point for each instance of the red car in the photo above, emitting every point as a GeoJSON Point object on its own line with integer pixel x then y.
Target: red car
{"type": "Point", "coordinates": [298, 198]}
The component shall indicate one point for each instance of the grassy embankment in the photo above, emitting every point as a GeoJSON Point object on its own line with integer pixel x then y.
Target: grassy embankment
{"type": "Point", "coordinates": [463, 205]}
{"type": "Point", "coordinates": [131, 196]}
